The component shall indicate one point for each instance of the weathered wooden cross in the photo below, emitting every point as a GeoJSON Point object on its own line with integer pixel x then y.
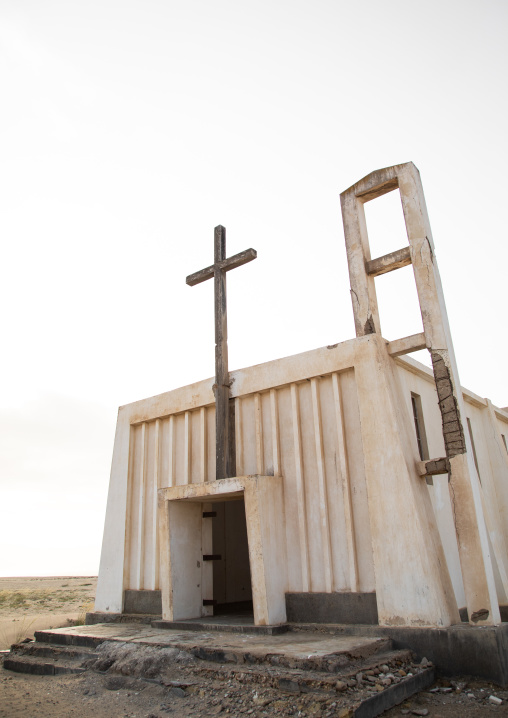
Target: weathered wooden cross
{"type": "Point", "coordinates": [218, 270]}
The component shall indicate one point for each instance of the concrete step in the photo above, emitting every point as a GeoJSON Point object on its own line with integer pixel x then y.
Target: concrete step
{"type": "Point", "coordinates": [330, 656]}
{"type": "Point", "coordinates": [45, 659]}
{"type": "Point", "coordinates": [94, 618]}
{"type": "Point", "coordinates": [392, 696]}
{"type": "Point", "coordinates": [58, 637]}
{"type": "Point", "coordinates": [37, 666]}
{"type": "Point", "coordinates": [303, 680]}
{"type": "Point", "coordinates": [53, 651]}
{"type": "Point", "coordinates": [216, 625]}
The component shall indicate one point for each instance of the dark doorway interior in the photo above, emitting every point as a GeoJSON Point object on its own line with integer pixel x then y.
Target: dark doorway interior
{"type": "Point", "coordinates": [232, 589]}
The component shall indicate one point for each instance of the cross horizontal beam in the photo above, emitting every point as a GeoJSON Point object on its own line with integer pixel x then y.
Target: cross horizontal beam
{"type": "Point", "coordinates": [231, 263]}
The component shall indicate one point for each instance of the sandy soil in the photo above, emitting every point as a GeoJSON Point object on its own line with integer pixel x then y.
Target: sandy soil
{"type": "Point", "coordinates": [91, 695]}
{"type": "Point", "coordinates": [29, 604]}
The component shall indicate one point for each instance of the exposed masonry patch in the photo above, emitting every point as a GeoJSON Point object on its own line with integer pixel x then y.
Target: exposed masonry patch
{"type": "Point", "coordinates": [437, 466]}
{"type": "Point", "coordinates": [369, 327]}
{"type": "Point", "coordinates": [453, 432]}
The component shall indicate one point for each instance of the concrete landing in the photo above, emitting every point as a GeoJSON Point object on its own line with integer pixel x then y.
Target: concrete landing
{"type": "Point", "coordinates": [309, 648]}
{"type": "Point", "coordinates": [234, 622]}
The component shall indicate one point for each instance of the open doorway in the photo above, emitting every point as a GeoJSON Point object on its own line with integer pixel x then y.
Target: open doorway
{"type": "Point", "coordinates": [187, 514]}
{"type": "Point", "coordinates": [232, 587]}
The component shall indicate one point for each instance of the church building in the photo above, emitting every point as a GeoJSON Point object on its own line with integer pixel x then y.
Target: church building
{"type": "Point", "coordinates": [356, 486]}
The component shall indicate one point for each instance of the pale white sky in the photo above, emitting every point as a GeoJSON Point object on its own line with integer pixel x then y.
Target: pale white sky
{"type": "Point", "coordinates": [129, 129]}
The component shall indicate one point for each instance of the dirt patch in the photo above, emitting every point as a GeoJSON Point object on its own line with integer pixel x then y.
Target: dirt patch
{"type": "Point", "coordinates": [103, 696]}
{"type": "Point", "coordinates": [78, 696]}
{"type": "Point", "coordinates": [454, 698]}
{"type": "Point", "coordinates": [29, 604]}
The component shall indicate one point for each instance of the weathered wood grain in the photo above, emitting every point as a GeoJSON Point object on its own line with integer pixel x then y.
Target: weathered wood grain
{"type": "Point", "coordinates": [232, 263]}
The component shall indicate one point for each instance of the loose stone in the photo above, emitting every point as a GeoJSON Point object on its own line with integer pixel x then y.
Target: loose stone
{"type": "Point", "coordinates": [178, 692]}
{"type": "Point", "coordinates": [287, 685]}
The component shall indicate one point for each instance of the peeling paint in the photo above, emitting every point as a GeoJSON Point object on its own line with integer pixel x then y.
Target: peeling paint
{"type": "Point", "coordinates": [480, 615]}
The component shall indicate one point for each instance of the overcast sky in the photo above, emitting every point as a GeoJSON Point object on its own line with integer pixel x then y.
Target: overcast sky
{"type": "Point", "coordinates": [129, 129]}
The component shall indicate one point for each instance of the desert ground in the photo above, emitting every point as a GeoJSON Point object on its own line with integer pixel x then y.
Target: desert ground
{"type": "Point", "coordinates": [91, 695]}
{"type": "Point", "coordinates": [29, 604]}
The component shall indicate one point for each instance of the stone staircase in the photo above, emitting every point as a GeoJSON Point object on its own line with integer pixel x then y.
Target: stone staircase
{"type": "Point", "coordinates": [364, 676]}
{"type": "Point", "coordinates": [44, 658]}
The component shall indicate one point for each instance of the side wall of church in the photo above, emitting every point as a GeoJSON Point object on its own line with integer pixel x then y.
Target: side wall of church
{"type": "Point", "coordinates": [486, 426]}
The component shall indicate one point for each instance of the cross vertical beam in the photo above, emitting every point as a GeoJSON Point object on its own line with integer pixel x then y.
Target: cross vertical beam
{"type": "Point", "coordinates": [218, 270]}
{"type": "Point", "coordinates": [221, 357]}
